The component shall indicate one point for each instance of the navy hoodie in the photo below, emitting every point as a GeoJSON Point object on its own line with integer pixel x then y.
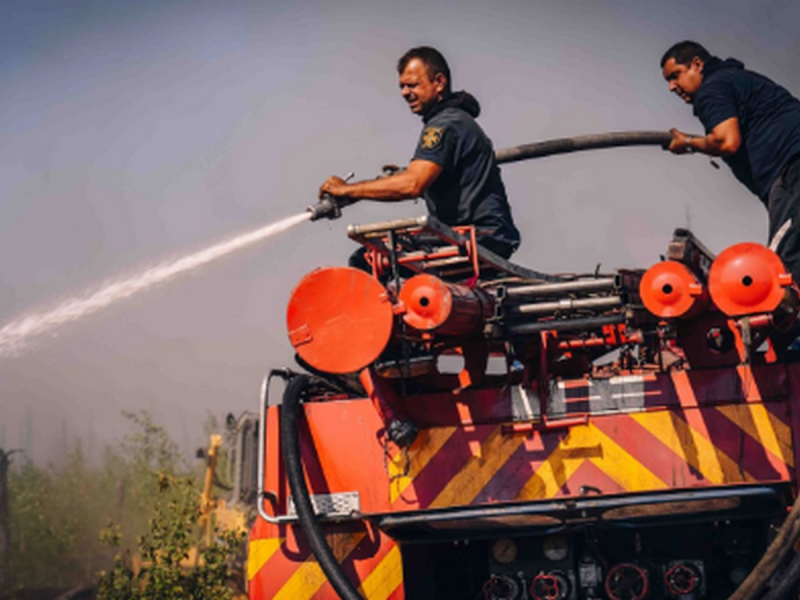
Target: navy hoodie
{"type": "Point", "coordinates": [769, 120]}
{"type": "Point", "coordinates": [470, 190]}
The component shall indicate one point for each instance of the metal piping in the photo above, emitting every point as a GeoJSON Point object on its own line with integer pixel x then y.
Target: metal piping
{"type": "Point", "coordinates": [381, 228]}
{"type": "Point", "coordinates": [262, 438]}
{"type": "Point", "coordinates": [519, 329]}
{"type": "Point", "coordinates": [567, 287]}
{"type": "Point", "coordinates": [566, 305]}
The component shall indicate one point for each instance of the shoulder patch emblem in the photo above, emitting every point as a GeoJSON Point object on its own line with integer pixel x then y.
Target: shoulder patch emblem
{"type": "Point", "coordinates": [431, 138]}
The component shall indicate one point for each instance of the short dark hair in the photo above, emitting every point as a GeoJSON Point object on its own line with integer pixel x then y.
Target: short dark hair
{"type": "Point", "coordinates": [684, 52]}
{"type": "Point", "coordinates": [432, 59]}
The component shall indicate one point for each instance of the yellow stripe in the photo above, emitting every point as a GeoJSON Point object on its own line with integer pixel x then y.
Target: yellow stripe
{"type": "Point", "coordinates": [586, 442]}
{"type": "Point", "coordinates": [479, 470]}
{"type": "Point", "coordinates": [384, 578]}
{"type": "Point", "coordinates": [259, 552]}
{"type": "Point", "coordinates": [622, 467]}
{"type": "Point", "coordinates": [713, 464]}
{"type": "Point", "coordinates": [764, 427]}
{"type": "Point", "coordinates": [309, 578]}
{"type": "Point", "coordinates": [424, 448]}
{"type": "Point", "coordinates": [750, 387]}
{"type": "Point", "coordinates": [550, 476]}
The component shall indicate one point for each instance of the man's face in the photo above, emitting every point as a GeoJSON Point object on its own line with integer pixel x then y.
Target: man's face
{"type": "Point", "coordinates": [417, 88]}
{"type": "Point", "coordinates": [684, 80]}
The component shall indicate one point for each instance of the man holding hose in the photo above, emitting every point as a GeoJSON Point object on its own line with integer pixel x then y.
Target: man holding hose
{"type": "Point", "coordinates": [753, 124]}
{"type": "Point", "coordinates": [453, 167]}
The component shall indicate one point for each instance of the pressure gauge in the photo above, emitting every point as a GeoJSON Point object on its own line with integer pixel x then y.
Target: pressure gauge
{"type": "Point", "coordinates": [504, 551]}
{"type": "Point", "coordinates": [555, 548]}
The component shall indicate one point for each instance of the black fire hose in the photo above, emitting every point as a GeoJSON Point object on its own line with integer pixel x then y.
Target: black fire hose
{"type": "Point", "coordinates": [290, 446]}
{"type": "Point", "coordinates": [331, 208]}
{"type": "Point", "coordinates": [583, 142]}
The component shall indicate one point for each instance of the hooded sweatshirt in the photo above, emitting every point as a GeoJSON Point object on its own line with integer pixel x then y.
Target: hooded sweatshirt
{"type": "Point", "coordinates": [469, 190]}
{"type": "Point", "coordinates": [769, 121]}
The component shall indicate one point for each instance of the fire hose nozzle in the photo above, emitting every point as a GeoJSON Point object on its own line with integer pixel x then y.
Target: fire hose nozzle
{"type": "Point", "coordinates": [330, 207]}
{"type": "Point", "coordinates": [325, 208]}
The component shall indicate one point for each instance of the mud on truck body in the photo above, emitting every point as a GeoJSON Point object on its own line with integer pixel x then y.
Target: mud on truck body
{"type": "Point", "coordinates": [468, 428]}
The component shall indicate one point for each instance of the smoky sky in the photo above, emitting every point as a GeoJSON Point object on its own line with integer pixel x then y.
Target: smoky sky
{"type": "Point", "coordinates": [131, 132]}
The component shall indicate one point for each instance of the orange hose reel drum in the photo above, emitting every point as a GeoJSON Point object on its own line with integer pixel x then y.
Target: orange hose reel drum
{"type": "Point", "coordinates": [339, 319]}
{"type": "Point", "coordinates": [747, 279]}
{"type": "Point", "coordinates": [670, 290]}
{"type": "Point", "coordinates": [446, 308]}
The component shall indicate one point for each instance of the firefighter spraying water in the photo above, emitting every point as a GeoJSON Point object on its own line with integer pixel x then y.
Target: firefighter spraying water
{"type": "Point", "coordinates": [15, 335]}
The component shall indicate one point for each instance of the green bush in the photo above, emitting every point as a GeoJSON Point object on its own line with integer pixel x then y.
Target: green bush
{"type": "Point", "coordinates": [165, 550]}
{"type": "Point", "coordinates": [54, 517]}
{"type": "Point", "coordinates": [144, 488]}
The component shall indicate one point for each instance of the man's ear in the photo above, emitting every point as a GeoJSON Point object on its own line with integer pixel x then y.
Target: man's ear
{"type": "Point", "coordinates": [441, 81]}
{"type": "Point", "coordinates": [698, 63]}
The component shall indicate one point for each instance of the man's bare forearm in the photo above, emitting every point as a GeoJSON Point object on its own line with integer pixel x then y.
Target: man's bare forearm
{"type": "Point", "coordinates": [387, 189]}
{"type": "Point", "coordinates": [408, 184]}
{"type": "Point", "coordinates": [712, 145]}
{"type": "Point", "coordinates": [724, 140]}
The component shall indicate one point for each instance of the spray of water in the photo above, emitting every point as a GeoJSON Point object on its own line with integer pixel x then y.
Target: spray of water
{"type": "Point", "coordinates": [16, 334]}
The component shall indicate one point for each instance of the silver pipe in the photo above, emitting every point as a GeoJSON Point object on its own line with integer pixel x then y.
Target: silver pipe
{"type": "Point", "coordinates": [566, 305]}
{"type": "Point", "coordinates": [419, 254]}
{"type": "Point", "coordinates": [262, 438]}
{"type": "Point", "coordinates": [448, 262]}
{"type": "Point", "coordinates": [553, 289]}
{"type": "Point", "coordinates": [384, 226]}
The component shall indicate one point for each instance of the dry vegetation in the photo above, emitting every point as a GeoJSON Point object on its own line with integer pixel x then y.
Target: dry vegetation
{"type": "Point", "coordinates": [88, 525]}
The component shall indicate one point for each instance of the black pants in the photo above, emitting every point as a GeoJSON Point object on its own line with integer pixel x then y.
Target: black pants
{"type": "Point", "coordinates": [783, 204]}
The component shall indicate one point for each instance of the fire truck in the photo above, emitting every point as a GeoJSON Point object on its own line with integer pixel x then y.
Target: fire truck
{"type": "Point", "coordinates": [464, 427]}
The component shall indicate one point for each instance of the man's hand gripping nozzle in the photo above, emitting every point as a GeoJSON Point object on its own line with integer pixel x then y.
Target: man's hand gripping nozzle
{"type": "Point", "coordinates": [330, 207]}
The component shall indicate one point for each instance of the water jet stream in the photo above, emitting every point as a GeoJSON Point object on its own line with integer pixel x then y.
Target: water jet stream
{"type": "Point", "coordinates": [14, 335]}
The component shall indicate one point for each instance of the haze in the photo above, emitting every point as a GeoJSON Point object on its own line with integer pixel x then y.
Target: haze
{"type": "Point", "coordinates": [131, 132]}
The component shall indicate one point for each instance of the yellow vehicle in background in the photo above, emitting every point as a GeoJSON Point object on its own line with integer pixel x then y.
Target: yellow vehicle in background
{"type": "Point", "coordinates": [234, 508]}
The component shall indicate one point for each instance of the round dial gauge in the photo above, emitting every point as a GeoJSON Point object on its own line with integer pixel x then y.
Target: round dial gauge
{"type": "Point", "coordinates": [555, 548]}
{"type": "Point", "coordinates": [504, 551]}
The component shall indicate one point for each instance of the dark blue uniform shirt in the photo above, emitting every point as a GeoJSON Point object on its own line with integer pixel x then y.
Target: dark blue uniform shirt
{"type": "Point", "coordinates": [469, 190]}
{"type": "Point", "coordinates": [769, 120]}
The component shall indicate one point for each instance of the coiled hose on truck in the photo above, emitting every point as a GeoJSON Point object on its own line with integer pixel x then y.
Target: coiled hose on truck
{"type": "Point", "coordinates": [750, 589]}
